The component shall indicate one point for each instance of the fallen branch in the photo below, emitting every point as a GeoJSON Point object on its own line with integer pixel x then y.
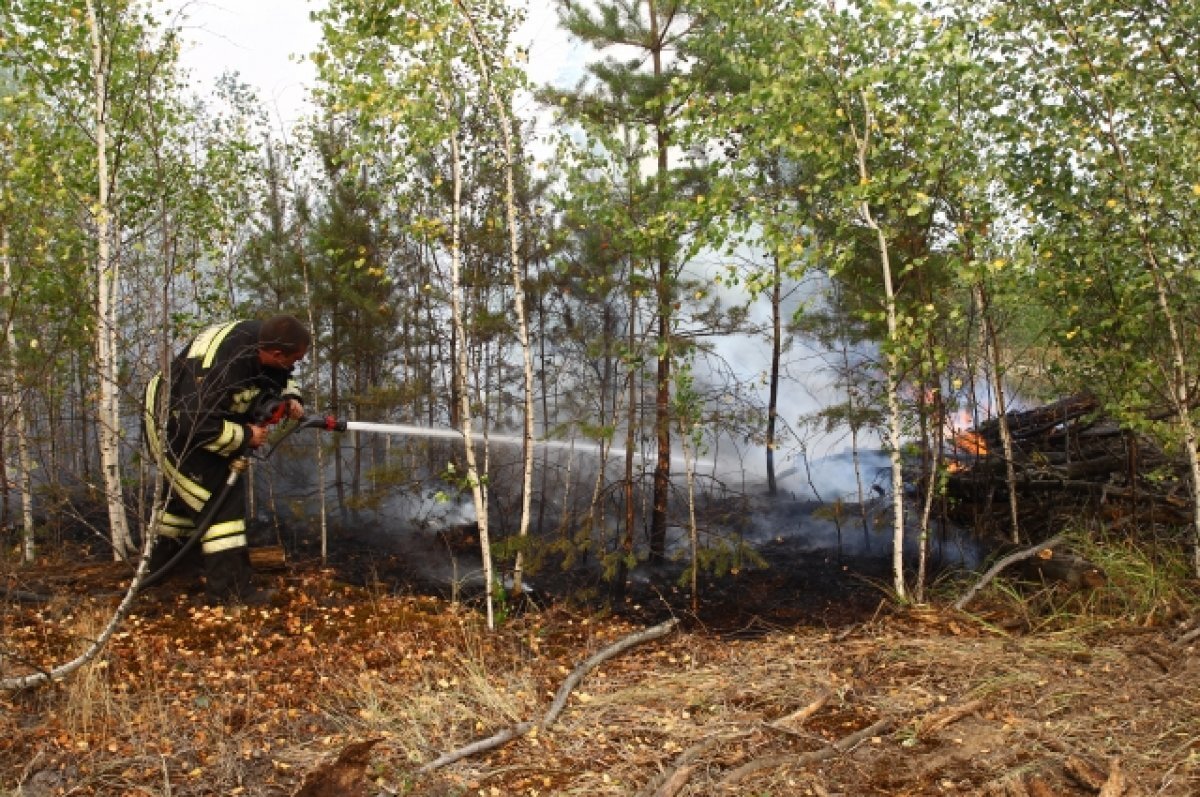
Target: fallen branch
{"type": "Point", "coordinates": [1188, 638]}
{"type": "Point", "coordinates": [996, 569]}
{"type": "Point", "coordinates": [560, 699]}
{"type": "Point", "coordinates": [800, 716]}
{"type": "Point", "coordinates": [670, 782]}
{"type": "Point", "coordinates": [947, 717]}
{"type": "Point", "coordinates": [842, 745]}
{"type": "Point", "coordinates": [58, 673]}
{"type": "Point", "coordinates": [1116, 784]}
{"type": "Point", "coordinates": [1084, 772]}
{"type": "Point", "coordinates": [23, 596]}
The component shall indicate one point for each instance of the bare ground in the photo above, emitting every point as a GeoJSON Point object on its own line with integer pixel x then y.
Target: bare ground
{"type": "Point", "coordinates": [348, 689]}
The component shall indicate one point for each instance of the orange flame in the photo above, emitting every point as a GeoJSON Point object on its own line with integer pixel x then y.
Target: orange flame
{"type": "Point", "coordinates": [969, 442]}
{"type": "Point", "coordinates": [963, 439]}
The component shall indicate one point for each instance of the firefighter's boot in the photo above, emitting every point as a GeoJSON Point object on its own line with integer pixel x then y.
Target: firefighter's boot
{"type": "Point", "coordinates": [229, 578]}
{"type": "Point", "coordinates": [165, 550]}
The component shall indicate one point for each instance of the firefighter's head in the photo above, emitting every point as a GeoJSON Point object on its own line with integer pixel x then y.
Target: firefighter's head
{"type": "Point", "coordinates": [283, 341]}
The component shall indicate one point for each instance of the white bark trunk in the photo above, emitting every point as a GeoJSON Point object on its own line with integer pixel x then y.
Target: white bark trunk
{"type": "Point", "coordinates": [461, 377]}
{"type": "Point", "coordinates": [515, 265]}
{"type": "Point", "coordinates": [892, 360]}
{"type": "Point", "coordinates": [107, 281]}
{"type": "Point", "coordinates": [19, 415]}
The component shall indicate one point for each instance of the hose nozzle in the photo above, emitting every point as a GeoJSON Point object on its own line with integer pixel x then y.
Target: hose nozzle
{"type": "Point", "coordinates": [326, 422]}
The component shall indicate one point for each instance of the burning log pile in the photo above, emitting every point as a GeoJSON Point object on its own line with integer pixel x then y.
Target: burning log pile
{"type": "Point", "coordinates": [1068, 458]}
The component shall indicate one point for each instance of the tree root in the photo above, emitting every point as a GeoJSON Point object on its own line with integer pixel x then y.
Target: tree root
{"type": "Point", "coordinates": [560, 699]}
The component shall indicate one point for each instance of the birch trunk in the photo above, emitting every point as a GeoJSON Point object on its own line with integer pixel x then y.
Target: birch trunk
{"type": "Point", "coordinates": [19, 416]}
{"type": "Point", "coordinates": [107, 282]}
{"type": "Point", "coordinates": [461, 377]}
{"type": "Point", "coordinates": [516, 269]}
{"type": "Point", "coordinates": [890, 357]}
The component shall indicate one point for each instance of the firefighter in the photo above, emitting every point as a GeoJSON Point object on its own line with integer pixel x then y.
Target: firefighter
{"type": "Point", "coordinates": [218, 384]}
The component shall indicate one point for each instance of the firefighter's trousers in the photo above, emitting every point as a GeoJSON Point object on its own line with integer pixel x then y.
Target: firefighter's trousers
{"type": "Point", "coordinates": [198, 479]}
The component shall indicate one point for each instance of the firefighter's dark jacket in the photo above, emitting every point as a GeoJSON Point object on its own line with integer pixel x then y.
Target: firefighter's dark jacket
{"type": "Point", "coordinates": [217, 382]}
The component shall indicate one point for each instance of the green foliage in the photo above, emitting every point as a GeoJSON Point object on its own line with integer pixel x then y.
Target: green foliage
{"type": "Point", "coordinates": [722, 556]}
{"type": "Point", "coordinates": [1103, 169]}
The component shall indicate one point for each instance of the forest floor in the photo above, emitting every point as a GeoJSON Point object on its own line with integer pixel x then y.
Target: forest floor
{"type": "Point", "coordinates": [347, 686]}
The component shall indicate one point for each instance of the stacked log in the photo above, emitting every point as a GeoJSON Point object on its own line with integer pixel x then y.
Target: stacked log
{"type": "Point", "coordinates": [271, 557]}
{"type": "Point", "coordinates": [1068, 457]}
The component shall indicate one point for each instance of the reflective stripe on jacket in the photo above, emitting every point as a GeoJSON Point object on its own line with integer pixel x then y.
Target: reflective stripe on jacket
{"type": "Point", "coordinates": [216, 382]}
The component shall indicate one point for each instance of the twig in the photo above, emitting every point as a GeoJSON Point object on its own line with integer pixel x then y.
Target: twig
{"type": "Point", "coordinates": [947, 716]}
{"type": "Point", "coordinates": [1189, 637]}
{"type": "Point", "coordinates": [672, 780]}
{"type": "Point", "coordinates": [995, 570]}
{"type": "Point", "coordinates": [560, 699]}
{"type": "Point", "coordinates": [800, 716]}
{"type": "Point", "coordinates": [840, 746]}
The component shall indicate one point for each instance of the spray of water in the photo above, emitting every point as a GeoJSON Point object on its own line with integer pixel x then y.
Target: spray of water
{"type": "Point", "coordinates": [577, 446]}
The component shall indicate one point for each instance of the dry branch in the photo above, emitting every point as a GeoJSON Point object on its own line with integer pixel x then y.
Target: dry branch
{"type": "Point", "coordinates": [1084, 772]}
{"type": "Point", "coordinates": [996, 569]}
{"type": "Point", "coordinates": [672, 780]}
{"type": "Point", "coordinates": [802, 715]}
{"type": "Point", "coordinates": [1189, 637]}
{"type": "Point", "coordinates": [560, 699]}
{"type": "Point", "coordinates": [1116, 784]}
{"type": "Point", "coordinates": [947, 717]}
{"type": "Point", "coordinates": [96, 647]}
{"type": "Point", "coordinates": [842, 745]}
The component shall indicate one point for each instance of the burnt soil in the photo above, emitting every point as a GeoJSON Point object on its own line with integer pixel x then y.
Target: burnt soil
{"type": "Point", "coordinates": [799, 678]}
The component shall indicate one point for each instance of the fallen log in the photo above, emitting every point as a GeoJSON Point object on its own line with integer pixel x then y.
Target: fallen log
{"type": "Point", "coordinates": [271, 557]}
{"type": "Point", "coordinates": [1073, 449]}
{"type": "Point", "coordinates": [1032, 423]}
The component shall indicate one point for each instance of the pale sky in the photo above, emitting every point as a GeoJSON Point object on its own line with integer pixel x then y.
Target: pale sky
{"type": "Point", "coordinates": [262, 40]}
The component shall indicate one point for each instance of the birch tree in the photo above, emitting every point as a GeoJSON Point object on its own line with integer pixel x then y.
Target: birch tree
{"type": "Point", "coordinates": [402, 71]}
{"type": "Point", "coordinates": [498, 84]}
